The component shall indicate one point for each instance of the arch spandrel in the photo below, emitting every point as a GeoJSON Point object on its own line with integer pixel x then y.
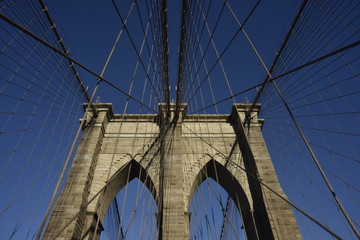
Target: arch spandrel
{"type": "Point", "coordinates": [126, 138]}
{"type": "Point", "coordinates": [203, 139]}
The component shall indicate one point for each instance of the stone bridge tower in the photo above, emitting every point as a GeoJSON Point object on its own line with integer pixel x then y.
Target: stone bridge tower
{"type": "Point", "coordinates": [172, 160]}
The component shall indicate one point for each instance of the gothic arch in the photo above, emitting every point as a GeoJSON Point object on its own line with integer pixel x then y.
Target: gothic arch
{"type": "Point", "coordinates": [118, 180]}
{"type": "Point", "coordinates": [215, 170]}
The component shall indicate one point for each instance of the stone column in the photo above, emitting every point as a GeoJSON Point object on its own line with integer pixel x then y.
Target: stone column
{"type": "Point", "coordinates": [274, 217]}
{"type": "Point", "coordinates": [76, 191]}
{"type": "Point", "coordinates": [174, 217]}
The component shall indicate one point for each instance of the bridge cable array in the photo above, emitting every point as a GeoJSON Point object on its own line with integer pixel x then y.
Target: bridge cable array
{"type": "Point", "coordinates": [309, 101]}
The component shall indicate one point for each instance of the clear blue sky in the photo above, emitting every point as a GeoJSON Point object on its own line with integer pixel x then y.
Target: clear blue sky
{"type": "Point", "coordinates": [90, 29]}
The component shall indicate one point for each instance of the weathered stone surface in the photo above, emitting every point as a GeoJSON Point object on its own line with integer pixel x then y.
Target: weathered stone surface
{"type": "Point", "coordinates": [118, 148]}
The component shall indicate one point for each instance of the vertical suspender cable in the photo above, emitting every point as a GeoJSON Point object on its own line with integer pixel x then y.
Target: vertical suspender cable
{"type": "Point", "coordinates": [165, 54]}
{"type": "Point", "coordinates": [273, 65]}
{"type": "Point", "coordinates": [82, 123]}
{"type": "Point", "coordinates": [270, 78]}
{"type": "Point", "coordinates": [181, 57]}
{"type": "Point", "coordinates": [67, 161]}
{"type": "Point", "coordinates": [62, 45]}
{"type": "Point", "coordinates": [45, 43]}
{"type": "Point", "coordinates": [317, 162]}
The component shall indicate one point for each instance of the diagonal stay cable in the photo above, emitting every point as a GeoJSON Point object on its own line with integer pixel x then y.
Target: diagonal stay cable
{"type": "Point", "coordinates": [318, 165]}
{"type": "Point", "coordinates": [128, 95]}
{"type": "Point", "coordinates": [134, 47]}
{"type": "Point", "coordinates": [198, 45]}
{"type": "Point", "coordinates": [335, 52]}
{"type": "Point", "coordinates": [36, 37]}
{"type": "Point", "coordinates": [269, 188]}
{"type": "Point", "coordinates": [241, 28]}
{"type": "Point", "coordinates": [305, 156]}
{"type": "Point", "coordinates": [318, 129]}
{"type": "Point", "coordinates": [282, 47]}
{"type": "Point", "coordinates": [225, 75]}
{"type": "Point", "coordinates": [329, 150]}
{"type": "Point", "coordinates": [207, 47]}
{"type": "Point", "coordinates": [100, 78]}
{"type": "Point", "coordinates": [82, 124]}
{"type": "Point", "coordinates": [158, 138]}
{"type": "Point", "coordinates": [324, 100]}
{"type": "Point", "coordinates": [165, 52]}
{"type": "Point", "coordinates": [270, 78]}
{"type": "Point", "coordinates": [63, 47]}
{"type": "Point", "coordinates": [181, 60]}
{"type": "Point", "coordinates": [317, 115]}
{"type": "Point", "coordinates": [144, 43]}
{"type": "Point", "coordinates": [230, 97]}
{"type": "Point", "coordinates": [291, 91]}
{"type": "Point", "coordinates": [158, 74]}
{"type": "Point", "coordinates": [153, 13]}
